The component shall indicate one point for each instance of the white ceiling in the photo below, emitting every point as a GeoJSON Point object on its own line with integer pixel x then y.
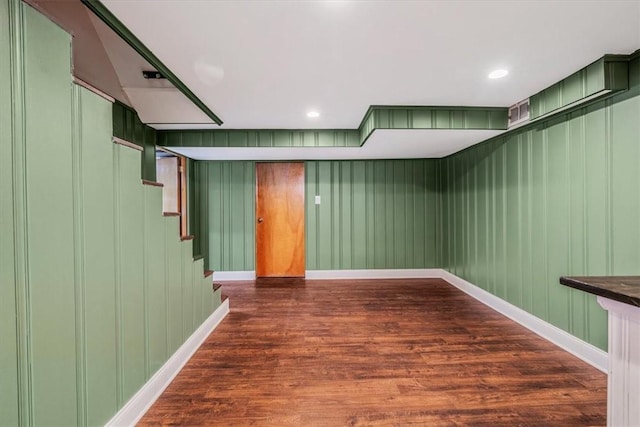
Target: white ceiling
{"type": "Point", "coordinates": [263, 64]}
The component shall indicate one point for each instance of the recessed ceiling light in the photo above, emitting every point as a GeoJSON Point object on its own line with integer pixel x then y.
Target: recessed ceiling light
{"type": "Point", "coordinates": [313, 114]}
{"type": "Point", "coordinates": [498, 74]}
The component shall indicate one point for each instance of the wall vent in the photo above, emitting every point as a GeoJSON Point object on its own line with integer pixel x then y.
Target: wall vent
{"type": "Point", "coordinates": [519, 113]}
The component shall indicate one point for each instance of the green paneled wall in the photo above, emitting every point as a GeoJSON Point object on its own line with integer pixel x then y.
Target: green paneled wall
{"type": "Point", "coordinates": [97, 290]}
{"type": "Point", "coordinates": [196, 209]}
{"type": "Point", "coordinates": [94, 250]}
{"type": "Point", "coordinates": [127, 126]}
{"type": "Point", "coordinates": [10, 277]}
{"type": "Point", "coordinates": [552, 199]}
{"type": "Point", "coordinates": [226, 202]}
{"type": "Point", "coordinates": [51, 355]}
{"type": "Point", "coordinates": [373, 214]}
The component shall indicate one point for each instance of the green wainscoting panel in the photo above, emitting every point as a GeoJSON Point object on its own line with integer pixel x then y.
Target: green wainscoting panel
{"type": "Point", "coordinates": [127, 126]}
{"type": "Point", "coordinates": [198, 205]}
{"type": "Point", "coordinates": [50, 249]}
{"type": "Point", "coordinates": [227, 199]}
{"type": "Point", "coordinates": [432, 117]}
{"type": "Point", "coordinates": [373, 214]}
{"type": "Point", "coordinates": [130, 219]}
{"type": "Point", "coordinates": [154, 281]}
{"type": "Point", "coordinates": [173, 272]}
{"type": "Point", "coordinates": [187, 289]}
{"type": "Point", "coordinates": [191, 202]}
{"type": "Point", "coordinates": [552, 199]}
{"type": "Point", "coordinates": [9, 142]}
{"type": "Point", "coordinates": [259, 138]}
{"type": "Point", "coordinates": [149, 154]}
{"type": "Point", "coordinates": [199, 296]}
{"type": "Point", "coordinates": [605, 76]}
{"type": "Point", "coordinates": [95, 263]}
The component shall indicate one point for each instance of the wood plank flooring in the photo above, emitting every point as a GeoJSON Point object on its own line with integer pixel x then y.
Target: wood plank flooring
{"type": "Point", "coordinates": [383, 352]}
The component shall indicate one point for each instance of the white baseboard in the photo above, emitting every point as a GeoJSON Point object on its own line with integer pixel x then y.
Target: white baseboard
{"type": "Point", "coordinates": [234, 275]}
{"type": "Point", "coordinates": [138, 405]}
{"type": "Point", "coordinates": [408, 273]}
{"type": "Point", "coordinates": [415, 273]}
{"type": "Point", "coordinates": [581, 349]}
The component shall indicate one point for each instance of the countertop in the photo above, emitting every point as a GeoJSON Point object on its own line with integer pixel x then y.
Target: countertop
{"type": "Point", "coordinates": [625, 289]}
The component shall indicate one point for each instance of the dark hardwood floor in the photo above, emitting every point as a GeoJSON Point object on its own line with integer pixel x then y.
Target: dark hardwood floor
{"type": "Point", "coordinates": [383, 352]}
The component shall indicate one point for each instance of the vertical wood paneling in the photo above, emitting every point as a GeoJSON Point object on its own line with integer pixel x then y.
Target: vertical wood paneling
{"type": "Point", "coordinates": [204, 219]}
{"type": "Point", "coordinates": [345, 219]}
{"type": "Point", "coordinates": [187, 290]}
{"type": "Point", "coordinates": [336, 206]}
{"type": "Point", "coordinates": [558, 222]}
{"type": "Point", "coordinates": [173, 260]}
{"type": "Point", "coordinates": [155, 286]}
{"type": "Point", "coordinates": [399, 224]}
{"type": "Point", "coordinates": [199, 297]}
{"type": "Point", "coordinates": [249, 206]}
{"type": "Point", "coordinates": [359, 214]}
{"type": "Point", "coordinates": [576, 214]}
{"type": "Point", "coordinates": [526, 233]}
{"type": "Point", "coordinates": [227, 194]}
{"type": "Point", "coordinates": [324, 212]}
{"type": "Point", "coordinates": [310, 171]}
{"type": "Point", "coordinates": [237, 203]}
{"type": "Point", "coordinates": [131, 260]}
{"type": "Point", "coordinates": [95, 258]}
{"type": "Point", "coordinates": [9, 275]}
{"type": "Point", "coordinates": [482, 218]}
{"type": "Point", "coordinates": [79, 264]}
{"type": "Point", "coordinates": [513, 282]}
{"type": "Point", "coordinates": [624, 132]}
{"type": "Point", "coordinates": [51, 292]}
{"type": "Point", "coordinates": [415, 244]}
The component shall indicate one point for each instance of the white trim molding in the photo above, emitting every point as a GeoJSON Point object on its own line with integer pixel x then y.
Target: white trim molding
{"type": "Point", "coordinates": [581, 349]}
{"type": "Point", "coordinates": [408, 273]}
{"type": "Point", "coordinates": [234, 275]}
{"type": "Point", "coordinates": [138, 405]}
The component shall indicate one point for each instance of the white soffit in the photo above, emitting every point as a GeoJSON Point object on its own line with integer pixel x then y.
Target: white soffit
{"type": "Point", "coordinates": [165, 105]}
{"type": "Point", "coordinates": [382, 144]}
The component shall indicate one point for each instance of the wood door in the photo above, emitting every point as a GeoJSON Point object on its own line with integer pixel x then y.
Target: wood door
{"type": "Point", "coordinates": [280, 220]}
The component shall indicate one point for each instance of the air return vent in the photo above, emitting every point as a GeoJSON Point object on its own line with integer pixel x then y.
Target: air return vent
{"type": "Point", "coordinates": [519, 113]}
